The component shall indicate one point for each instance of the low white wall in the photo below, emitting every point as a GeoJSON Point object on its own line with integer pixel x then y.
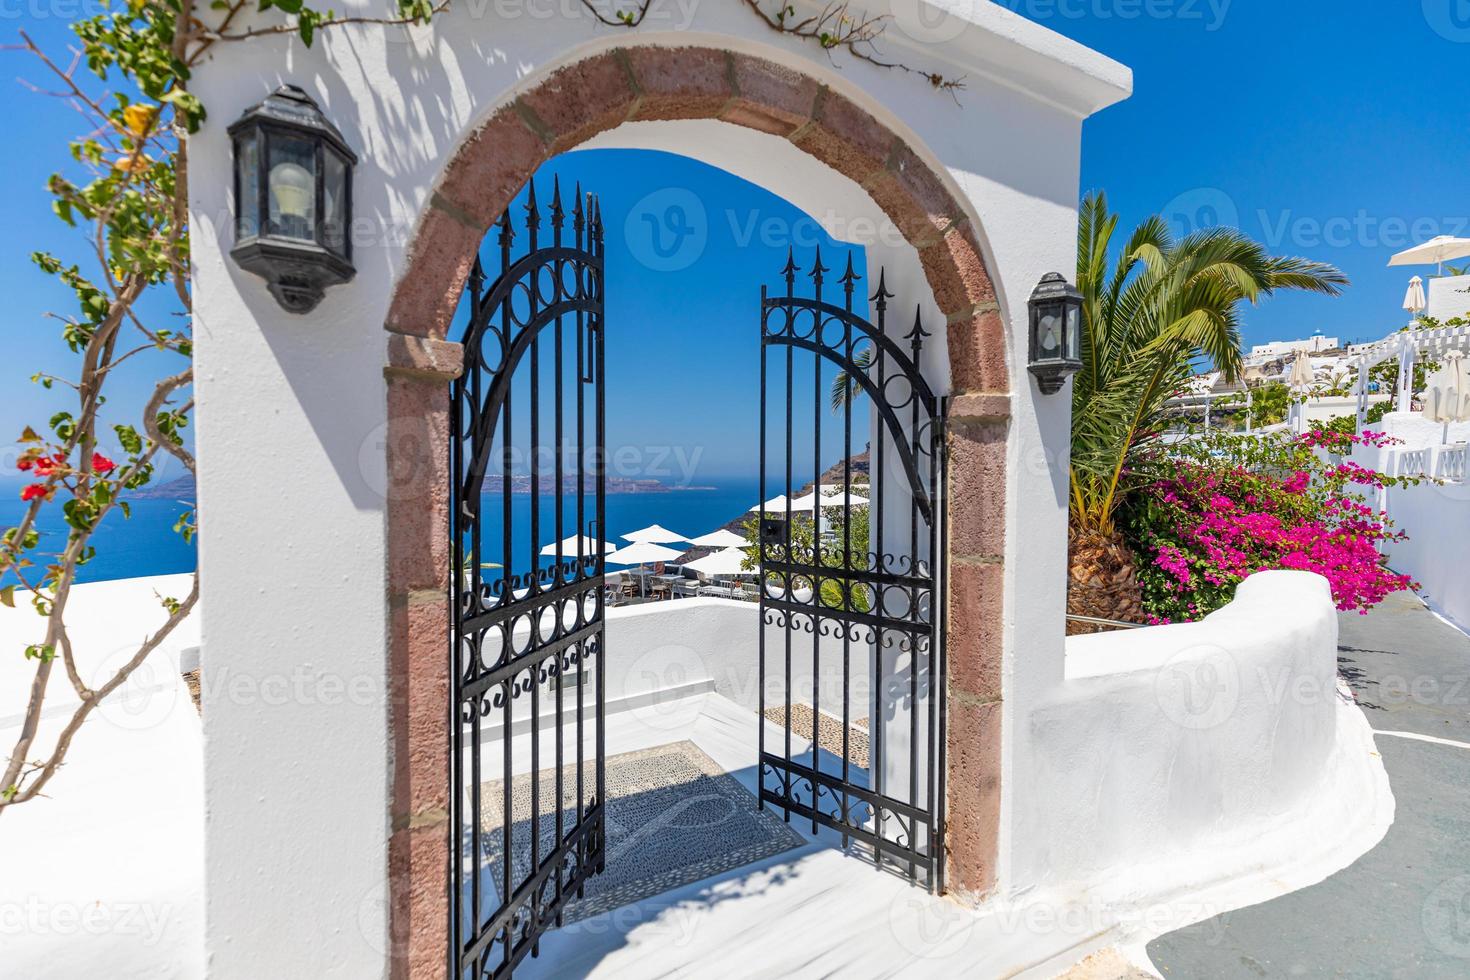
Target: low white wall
{"type": "Point", "coordinates": [1436, 517]}
{"type": "Point", "coordinates": [661, 651]}
{"type": "Point", "coordinates": [1170, 755]}
{"type": "Point", "coordinates": [104, 874]}
{"type": "Point", "coordinates": [1417, 432]}
{"type": "Point", "coordinates": [1449, 296]}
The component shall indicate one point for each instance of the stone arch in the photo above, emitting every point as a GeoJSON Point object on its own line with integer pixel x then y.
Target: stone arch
{"type": "Point", "coordinates": [565, 109]}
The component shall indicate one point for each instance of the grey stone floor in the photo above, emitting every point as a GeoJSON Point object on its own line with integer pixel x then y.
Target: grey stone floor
{"type": "Point", "coordinates": [1402, 909]}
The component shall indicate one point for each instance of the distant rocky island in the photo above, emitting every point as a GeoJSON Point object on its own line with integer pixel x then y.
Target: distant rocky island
{"type": "Point", "coordinates": [615, 484]}
{"type": "Point", "coordinates": [179, 488]}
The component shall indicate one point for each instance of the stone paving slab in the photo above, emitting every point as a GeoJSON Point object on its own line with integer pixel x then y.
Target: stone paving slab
{"type": "Point", "coordinates": [1409, 670]}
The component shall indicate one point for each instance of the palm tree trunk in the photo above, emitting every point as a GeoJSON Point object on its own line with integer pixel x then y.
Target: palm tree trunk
{"type": "Point", "coordinates": [1102, 579]}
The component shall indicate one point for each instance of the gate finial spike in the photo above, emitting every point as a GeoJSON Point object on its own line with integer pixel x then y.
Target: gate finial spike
{"type": "Point", "coordinates": [578, 215]}
{"type": "Point", "coordinates": [558, 213]}
{"type": "Point", "coordinates": [882, 296]}
{"type": "Point", "coordinates": [818, 268]}
{"type": "Point", "coordinates": [849, 277]}
{"type": "Point", "coordinates": [791, 267]}
{"type": "Point", "coordinates": [507, 233]}
{"type": "Point", "coordinates": [533, 216]}
{"type": "Point", "coordinates": [918, 333]}
{"type": "Point", "coordinates": [477, 280]}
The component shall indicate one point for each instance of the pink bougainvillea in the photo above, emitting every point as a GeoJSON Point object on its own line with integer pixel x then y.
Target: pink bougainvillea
{"type": "Point", "coordinates": [1216, 513]}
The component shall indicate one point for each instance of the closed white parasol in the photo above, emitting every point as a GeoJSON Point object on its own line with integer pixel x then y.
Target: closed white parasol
{"type": "Point", "coordinates": [1447, 398]}
{"type": "Point", "coordinates": [1414, 298]}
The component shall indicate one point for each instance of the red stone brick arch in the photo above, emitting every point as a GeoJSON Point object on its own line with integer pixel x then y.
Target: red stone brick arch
{"type": "Point", "coordinates": [563, 111]}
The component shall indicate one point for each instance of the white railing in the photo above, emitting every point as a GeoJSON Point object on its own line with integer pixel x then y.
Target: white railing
{"type": "Point", "coordinates": [1412, 462]}
{"type": "Point", "coordinates": [1450, 466]}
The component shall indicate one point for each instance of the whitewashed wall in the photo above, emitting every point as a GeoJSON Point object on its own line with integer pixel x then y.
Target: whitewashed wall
{"type": "Point", "coordinates": [1436, 519]}
{"type": "Point", "coordinates": [104, 871]}
{"type": "Point", "coordinates": [1431, 514]}
{"type": "Point", "coordinates": [1449, 296]}
{"type": "Point", "coordinates": [292, 410]}
{"type": "Point", "coordinates": [1174, 757]}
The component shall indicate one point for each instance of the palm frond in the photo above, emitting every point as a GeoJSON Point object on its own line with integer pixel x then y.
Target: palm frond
{"type": "Point", "coordinates": [1163, 307]}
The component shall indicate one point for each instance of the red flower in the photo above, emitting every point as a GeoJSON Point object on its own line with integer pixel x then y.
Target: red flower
{"type": "Point", "coordinates": [44, 465]}
{"type": "Point", "coordinates": [25, 463]}
{"type": "Point", "coordinates": [102, 464]}
{"type": "Point", "coordinates": [33, 491]}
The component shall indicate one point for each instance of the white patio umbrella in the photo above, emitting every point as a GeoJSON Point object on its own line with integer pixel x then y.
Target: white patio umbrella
{"type": "Point", "coordinates": [723, 562]}
{"type": "Point", "coordinates": [1436, 251]}
{"type": "Point", "coordinates": [654, 534]}
{"type": "Point", "coordinates": [777, 505]}
{"type": "Point", "coordinates": [590, 546]}
{"type": "Point", "coordinates": [811, 500]}
{"type": "Point", "coordinates": [1301, 377]}
{"type": "Point", "coordinates": [640, 553]}
{"type": "Point", "coordinates": [723, 538]}
{"type": "Point", "coordinates": [1300, 382]}
{"type": "Point", "coordinates": [1448, 396]}
{"type": "Point", "coordinates": [1414, 298]}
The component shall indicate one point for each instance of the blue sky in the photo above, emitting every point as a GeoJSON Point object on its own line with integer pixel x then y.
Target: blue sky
{"type": "Point", "coordinates": [1332, 130]}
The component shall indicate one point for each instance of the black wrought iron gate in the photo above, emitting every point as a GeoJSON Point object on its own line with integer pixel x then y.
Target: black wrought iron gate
{"type": "Point", "coordinates": [851, 649]}
{"type": "Point", "coordinates": [527, 637]}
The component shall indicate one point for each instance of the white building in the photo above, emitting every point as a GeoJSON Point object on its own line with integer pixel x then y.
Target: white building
{"type": "Point", "coordinates": [1283, 348]}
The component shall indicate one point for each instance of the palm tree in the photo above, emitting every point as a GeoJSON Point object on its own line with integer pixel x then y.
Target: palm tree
{"type": "Point", "coordinates": [1164, 307]}
{"type": "Point", "coordinates": [842, 384]}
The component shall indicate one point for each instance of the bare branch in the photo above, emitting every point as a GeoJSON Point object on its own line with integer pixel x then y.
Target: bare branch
{"type": "Point", "coordinates": [835, 26]}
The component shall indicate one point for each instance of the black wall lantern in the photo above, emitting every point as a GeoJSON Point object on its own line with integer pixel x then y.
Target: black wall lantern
{"type": "Point", "coordinates": [293, 198]}
{"type": "Point", "coordinates": [1056, 332]}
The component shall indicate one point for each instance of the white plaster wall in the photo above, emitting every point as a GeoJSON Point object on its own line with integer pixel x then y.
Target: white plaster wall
{"type": "Point", "coordinates": [1449, 296]}
{"type": "Point", "coordinates": [1174, 756]}
{"type": "Point", "coordinates": [103, 873]}
{"type": "Point", "coordinates": [1430, 514]}
{"type": "Point", "coordinates": [291, 411]}
{"type": "Point", "coordinates": [1436, 518]}
{"type": "Point", "coordinates": [673, 649]}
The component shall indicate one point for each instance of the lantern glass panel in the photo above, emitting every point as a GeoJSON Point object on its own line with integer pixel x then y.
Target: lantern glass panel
{"type": "Point", "coordinates": [292, 187]}
{"type": "Point", "coordinates": [1074, 332]}
{"type": "Point", "coordinates": [334, 202]}
{"type": "Point", "coordinates": [1049, 333]}
{"type": "Point", "coordinates": [247, 185]}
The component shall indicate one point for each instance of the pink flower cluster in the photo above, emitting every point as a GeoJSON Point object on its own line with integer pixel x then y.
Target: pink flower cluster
{"type": "Point", "coordinates": [1205, 526]}
{"type": "Point", "coordinates": [1342, 442]}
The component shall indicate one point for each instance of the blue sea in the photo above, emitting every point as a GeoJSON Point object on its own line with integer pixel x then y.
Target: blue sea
{"type": "Point", "coordinates": [146, 543]}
